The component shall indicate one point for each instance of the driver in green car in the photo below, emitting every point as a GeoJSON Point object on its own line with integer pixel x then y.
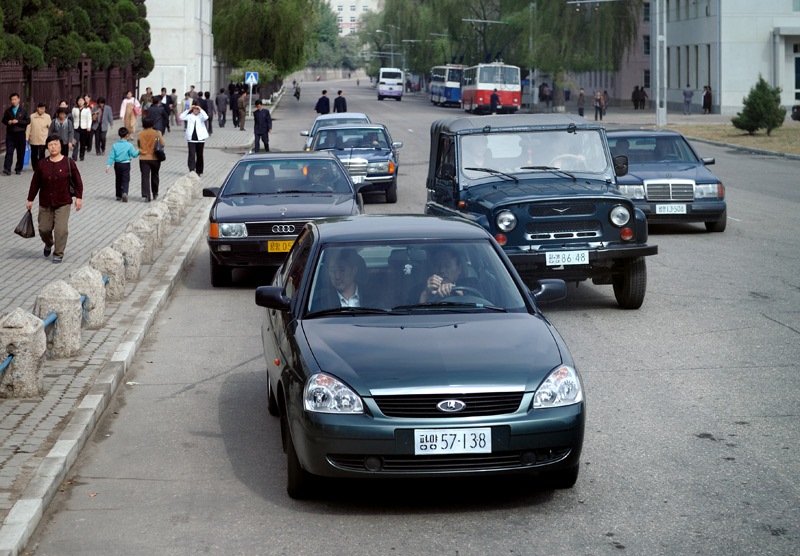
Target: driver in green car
{"type": "Point", "coordinates": [447, 266]}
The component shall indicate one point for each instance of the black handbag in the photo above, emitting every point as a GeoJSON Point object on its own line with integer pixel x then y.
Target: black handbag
{"type": "Point", "coordinates": [158, 150]}
{"type": "Point", "coordinates": [25, 227]}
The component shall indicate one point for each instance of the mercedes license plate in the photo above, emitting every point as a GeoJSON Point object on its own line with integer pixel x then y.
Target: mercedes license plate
{"type": "Point", "coordinates": [357, 179]}
{"type": "Point", "coordinates": [279, 246]}
{"type": "Point", "coordinates": [670, 209]}
{"type": "Point", "coordinates": [452, 441]}
{"type": "Point", "coordinates": [558, 258]}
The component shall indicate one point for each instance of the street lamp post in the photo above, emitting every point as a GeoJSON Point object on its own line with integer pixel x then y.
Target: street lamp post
{"type": "Point", "coordinates": [660, 24]}
{"type": "Point", "coordinates": [391, 44]}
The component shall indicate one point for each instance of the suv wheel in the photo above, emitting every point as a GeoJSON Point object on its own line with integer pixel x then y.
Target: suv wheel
{"type": "Point", "coordinates": [631, 283]}
{"type": "Point", "coordinates": [391, 192]}
{"type": "Point", "coordinates": [220, 275]}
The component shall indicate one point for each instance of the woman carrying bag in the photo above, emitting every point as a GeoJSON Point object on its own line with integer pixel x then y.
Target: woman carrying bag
{"type": "Point", "coordinates": [149, 163]}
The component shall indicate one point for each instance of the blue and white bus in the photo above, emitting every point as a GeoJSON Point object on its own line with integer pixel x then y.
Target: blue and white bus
{"type": "Point", "coordinates": [446, 84]}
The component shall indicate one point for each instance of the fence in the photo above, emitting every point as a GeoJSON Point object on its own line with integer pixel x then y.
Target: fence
{"type": "Point", "coordinates": [51, 86]}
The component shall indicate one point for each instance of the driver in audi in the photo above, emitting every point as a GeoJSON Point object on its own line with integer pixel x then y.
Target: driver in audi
{"type": "Point", "coordinates": [447, 267]}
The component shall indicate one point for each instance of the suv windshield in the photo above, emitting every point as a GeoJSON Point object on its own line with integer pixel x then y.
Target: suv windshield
{"type": "Point", "coordinates": [526, 151]}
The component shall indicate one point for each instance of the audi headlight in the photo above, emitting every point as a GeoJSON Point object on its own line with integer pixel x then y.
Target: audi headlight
{"type": "Point", "coordinates": [632, 191]}
{"type": "Point", "coordinates": [232, 230]}
{"type": "Point", "coordinates": [378, 167]}
{"type": "Point", "coordinates": [709, 191]}
{"type": "Point", "coordinates": [562, 387]}
{"type": "Point", "coordinates": [619, 215]}
{"type": "Point", "coordinates": [506, 221]}
{"type": "Point", "coordinates": [325, 394]}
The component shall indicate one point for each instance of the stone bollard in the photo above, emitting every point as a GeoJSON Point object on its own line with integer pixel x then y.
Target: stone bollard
{"type": "Point", "coordinates": [88, 281]}
{"type": "Point", "coordinates": [176, 199]}
{"type": "Point", "coordinates": [193, 183]}
{"type": "Point", "coordinates": [158, 215]}
{"type": "Point", "coordinates": [63, 336]}
{"type": "Point", "coordinates": [112, 265]}
{"type": "Point", "coordinates": [130, 247]}
{"type": "Point", "coordinates": [144, 231]}
{"type": "Point", "coordinates": [22, 335]}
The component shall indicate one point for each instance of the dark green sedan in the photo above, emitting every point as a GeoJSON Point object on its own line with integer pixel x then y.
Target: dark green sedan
{"type": "Point", "coordinates": [408, 346]}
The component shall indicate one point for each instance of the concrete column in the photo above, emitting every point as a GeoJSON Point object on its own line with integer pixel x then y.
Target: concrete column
{"type": "Point", "coordinates": [112, 265]}
{"type": "Point", "coordinates": [88, 281]}
{"type": "Point", "coordinates": [22, 335]}
{"type": "Point", "coordinates": [64, 336]}
{"type": "Point", "coordinates": [144, 231]}
{"type": "Point", "coordinates": [130, 247]}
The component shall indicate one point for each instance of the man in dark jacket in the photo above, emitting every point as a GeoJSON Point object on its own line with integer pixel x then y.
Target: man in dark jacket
{"type": "Point", "coordinates": [16, 120]}
{"type": "Point", "coordinates": [221, 101]}
{"type": "Point", "coordinates": [339, 103]}
{"type": "Point", "coordinates": [323, 104]}
{"type": "Point", "coordinates": [262, 126]}
{"type": "Point", "coordinates": [235, 107]}
{"type": "Point", "coordinates": [158, 114]}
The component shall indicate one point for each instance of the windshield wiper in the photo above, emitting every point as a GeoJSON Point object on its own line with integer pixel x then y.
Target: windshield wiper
{"type": "Point", "coordinates": [548, 169]}
{"type": "Point", "coordinates": [448, 305]}
{"type": "Point", "coordinates": [348, 311]}
{"type": "Point", "coordinates": [494, 172]}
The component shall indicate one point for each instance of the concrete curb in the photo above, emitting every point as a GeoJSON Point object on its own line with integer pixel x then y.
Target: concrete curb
{"type": "Point", "coordinates": [27, 512]}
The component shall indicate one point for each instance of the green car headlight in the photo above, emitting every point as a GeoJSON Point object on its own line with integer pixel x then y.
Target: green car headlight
{"type": "Point", "coordinates": [326, 394]}
{"type": "Point", "coordinates": [562, 387]}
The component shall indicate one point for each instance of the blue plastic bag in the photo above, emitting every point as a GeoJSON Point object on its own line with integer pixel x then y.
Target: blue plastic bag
{"type": "Point", "coordinates": [27, 159]}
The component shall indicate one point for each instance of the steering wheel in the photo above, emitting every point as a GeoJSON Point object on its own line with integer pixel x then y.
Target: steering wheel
{"type": "Point", "coordinates": [574, 162]}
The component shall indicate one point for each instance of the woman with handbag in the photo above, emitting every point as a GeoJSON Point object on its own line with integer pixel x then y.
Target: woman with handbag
{"type": "Point", "coordinates": [149, 158]}
{"type": "Point", "coordinates": [129, 110]}
{"type": "Point", "coordinates": [51, 182]}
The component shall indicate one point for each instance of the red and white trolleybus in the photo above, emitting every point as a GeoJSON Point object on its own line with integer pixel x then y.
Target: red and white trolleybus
{"type": "Point", "coordinates": [481, 80]}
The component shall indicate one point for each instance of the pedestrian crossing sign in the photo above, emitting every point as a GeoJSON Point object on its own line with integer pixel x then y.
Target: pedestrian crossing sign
{"type": "Point", "coordinates": [251, 78]}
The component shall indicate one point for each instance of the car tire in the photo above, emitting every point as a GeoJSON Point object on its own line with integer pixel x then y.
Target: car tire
{"type": "Point", "coordinates": [631, 284]}
{"type": "Point", "coordinates": [719, 225]}
{"type": "Point", "coordinates": [399, 99]}
{"type": "Point", "coordinates": [380, 97]}
{"type": "Point", "coordinates": [220, 275]}
{"type": "Point", "coordinates": [391, 192]}
{"type": "Point", "coordinates": [564, 478]}
{"type": "Point", "coordinates": [272, 403]}
{"type": "Point", "coordinates": [298, 480]}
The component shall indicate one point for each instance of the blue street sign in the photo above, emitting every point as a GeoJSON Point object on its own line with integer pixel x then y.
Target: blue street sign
{"type": "Point", "coordinates": [251, 77]}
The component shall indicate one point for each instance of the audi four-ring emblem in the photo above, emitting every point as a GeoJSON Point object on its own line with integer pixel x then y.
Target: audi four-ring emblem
{"type": "Point", "coordinates": [283, 229]}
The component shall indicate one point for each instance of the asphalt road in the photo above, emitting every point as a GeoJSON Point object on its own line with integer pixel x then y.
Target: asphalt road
{"type": "Point", "coordinates": [691, 443]}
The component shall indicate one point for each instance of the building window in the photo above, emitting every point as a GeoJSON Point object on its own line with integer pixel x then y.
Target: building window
{"type": "Point", "coordinates": [646, 79]}
{"type": "Point", "coordinates": [339, 20]}
{"type": "Point", "coordinates": [646, 11]}
{"type": "Point", "coordinates": [352, 20]}
{"type": "Point", "coordinates": [352, 8]}
{"type": "Point", "coordinates": [339, 8]}
{"type": "Point", "coordinates": [364, 8]}
{"type": "Point", "coordinates": [646, 45]}
{"type": "Point", "coordinates": [796, 5]}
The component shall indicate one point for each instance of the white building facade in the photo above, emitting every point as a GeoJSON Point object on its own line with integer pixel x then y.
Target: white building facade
{"type": "Point", "coordinates": [349, 12]}
{"type": "Point", "coordinates": [182, 45]}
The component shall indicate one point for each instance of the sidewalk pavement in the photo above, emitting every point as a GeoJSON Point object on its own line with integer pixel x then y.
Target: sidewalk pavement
{"type": "Point", "coordinates": [41, 438]}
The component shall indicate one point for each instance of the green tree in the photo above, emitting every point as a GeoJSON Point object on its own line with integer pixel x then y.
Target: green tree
{"type": "Point", "coordinates": [761, 110]}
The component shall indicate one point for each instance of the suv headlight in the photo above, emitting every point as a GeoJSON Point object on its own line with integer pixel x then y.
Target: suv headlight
{"type": "Point", "coordinates": [232, 230]}
{"type": "Point", "coordinates": [709, 191]}
{"type": "Point", "coordinates": [619, 215]}
{"type": "Point", "coordinates": [506, 221]}
{"type": "Point", "coordinates": [562, 387]}
{"type": "Point", "coordinates": [632, 191]}
{"type": "Point", "coordinates": [378, 167]}
{"type": "Point", "coordinates": [325, 394]}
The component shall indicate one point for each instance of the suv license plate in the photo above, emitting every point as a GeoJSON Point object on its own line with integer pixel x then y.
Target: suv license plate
{"type": "Point", "coordinates": [452, 441]}
{"type": "Point", "coordinates": [558, 258]}
{"type": "Point", "coordinates": [670, 209]}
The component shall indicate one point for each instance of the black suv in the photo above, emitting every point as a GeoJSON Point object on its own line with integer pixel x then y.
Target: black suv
{"type": "Point", "coordinates": [545, 187]}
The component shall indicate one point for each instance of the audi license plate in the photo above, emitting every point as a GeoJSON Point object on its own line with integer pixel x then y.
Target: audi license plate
{"type": "Point", "coordinates": [279, 246]}
{"type": "Point", "coordinates": [558, 258]}
{"type": "Point", "coordinates": [670, 209]}
{"type": "Point", "coordinates": [452, 441]}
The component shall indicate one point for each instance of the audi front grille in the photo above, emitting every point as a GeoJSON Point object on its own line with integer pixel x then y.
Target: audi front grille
{"type": "Point", "coordinates": [267, 229]}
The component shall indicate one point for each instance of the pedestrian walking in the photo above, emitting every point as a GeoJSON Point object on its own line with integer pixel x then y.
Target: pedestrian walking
{"type": "Point", "coordinates": [120, 158]}
{"type": "Point", "coordinates": [210, 110]}
{"type": "Point", "coordinates": [196, 135]}
{"type": "Point", "coordinates": [129, 110]}
{"type": "Point", "coordinates": [51, 182]}
{"type": "Point", "coordinates": [37, 132]}
{"type": "Point", "coordinates": [339, 103]}
{"type": "Point", "coordinates": [235, 107]}
{"type": "Point", "coordinates": [262, 126]}
{"type": "Point", "coordinates": [221, 101]}
{"type": "Point", "coordinates": [82, 119]}
{"type": "Point", "coordinates": [166, 104]}
{"type": "Point", "coordinates": [158, 115]}
{"type": "Point", "coordinates": [242, 104]}
{"type": "Point", "coordinates": [105, 119]}
{"type": "Point", "coordinates": [146, 100]}
{"type": "Point", "coordinates": [323, 105]}
{"type": "Point", "coordinates": [149, 165]}
{"type": "Point", "coordinates": [581, 102]}
{"type": "Point", "coordinates": [706, 99]}
{"type": "Point", "coordinates": [605, 102]}
{"type": "Point", "coordinates": [688, 93]}
{"type": "Point", "coordinates": [87, 100]}
{"type": "Point", "coordinates": [64, 128]}
{"type": "Point", "coordinates": [173, 108]}
{"type": "Point", "coordinates": [16, 120]}
{"type": "Point", "coordinates": [598, 105]}
{"type": "Point", "coordinates": [494, 101]}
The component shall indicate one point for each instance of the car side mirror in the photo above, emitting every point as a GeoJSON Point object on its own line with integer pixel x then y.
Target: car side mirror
{"type": "Point", "coordinates": [272, 297]}
{"type": "Point", "coordinates": [304, 133]}
{"type": "Point", "coordinates": [397, 145]}
{"type": "Point", "coordinates": [621, 165]}
{"type": "Point", "coordinates": [708, 161]}
{"type": "Point", "coordinates": [211, 191]}
{"type": "Point", "coordinates": [446, 172]}
{"type": "Point", "coordinates": [549, 289]}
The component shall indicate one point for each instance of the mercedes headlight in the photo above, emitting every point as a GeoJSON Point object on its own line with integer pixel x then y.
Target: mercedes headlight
{"type": "Point", "coordinates": [378, 167]}
{"type": "Point", "coordinates": [325, 394]}
{"type": "Point", "coordinates": [619, 215]}
{"type": "Point", "coordinates": [709, 191]}
{"type": "Point", "coordinates": [632, 191]}
{"type": "Point", "coordinates": [506, 221]}
{"type": "Point", "coordinates": [232, 230]}
{"type": "Point", "coordinates": [562, 387]}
